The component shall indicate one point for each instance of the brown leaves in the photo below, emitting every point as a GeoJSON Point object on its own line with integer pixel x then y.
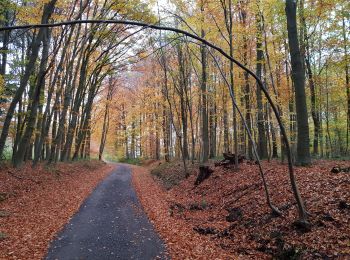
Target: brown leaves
{"type": "Point", "coordinates": [181, 240]}
{"type": "Point", "coordinates": [254, 234]}
{"type": "Point", "coordinates": [40, 201]}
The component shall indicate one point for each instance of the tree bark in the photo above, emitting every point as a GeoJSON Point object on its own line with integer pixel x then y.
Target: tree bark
{"type": "Point", "coordinates": [262, 141]}
{"type": "Point", "coordinates": [24, 144]}
{"type": "Point", "coordinates": [106, 118]}
{"type": "Point", "coordinates": [307, 56]}
{"type": "Point", "coordinates": [205, 134]}
{"type": "Point", "coordinates": [48, 10]}
{"type": "Point", "coordinates": [347, 79]}
{"type": "Point", "coordinates": [246, 81]}
{"type": "Point", "coordinates": [298, 77]}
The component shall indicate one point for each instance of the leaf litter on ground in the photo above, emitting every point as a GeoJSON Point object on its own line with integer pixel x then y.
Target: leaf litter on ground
{"type": "Point", "coordinates": [38, 202]}
{"type": "Point", "coordinates": [235, 221]}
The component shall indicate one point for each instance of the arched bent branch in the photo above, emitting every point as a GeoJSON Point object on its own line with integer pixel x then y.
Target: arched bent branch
{"type": "Point", "coordinates": [300, 203]}
{"type": "Point", "coordinates": [273, 208]}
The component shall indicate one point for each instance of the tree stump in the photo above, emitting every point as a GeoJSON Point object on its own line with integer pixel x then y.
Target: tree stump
{"type": "Point", "coordinates": [235, 214]}
{"type": "Point", "coordinates": [204, 173]}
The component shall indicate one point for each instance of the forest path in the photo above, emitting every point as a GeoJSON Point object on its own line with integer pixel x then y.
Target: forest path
{"type": "Point", "coordinates": [110, 224]}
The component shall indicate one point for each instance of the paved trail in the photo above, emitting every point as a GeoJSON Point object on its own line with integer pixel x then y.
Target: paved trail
{"type": "Point", "coordinates": [109, 225]}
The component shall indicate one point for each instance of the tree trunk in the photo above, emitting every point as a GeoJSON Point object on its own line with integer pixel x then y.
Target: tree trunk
{"type": "Point", "coordinates": [105, 126]}
{"type": "Point", "coordinates": [225, 121]}
{"type": "Point", "coordinates": [38, 91]}
{"type": "Point", "coordinates": [48, 10]}
{"type": "Point", "coordinates": [306, 51]}
{"type": "Point", "coordinates": [5, 43]}
{"type": "Point", "coordinates": [246, 83]}
{"type": "Point", "coordinates": [212, 125]}
{"type": "Point", "coordinates": [229, 25]}
{"type": "Point", "coordinates": [298, 77]}
{"type": "Point", "coordinates": [166, 124]}
{"type": "Point", "coordinates": [104, 133]}
{"type": "Point", "coordinates": [182, 94]}
{"type": "Point", "coordinates": [75, 110]}
{"type": "Point", "coordinates": [47, 116]}
{"type": "Point", "coordinates": [205, 134]}
{"type": "Point", "coordinates": [347, 79]}
{"type": "Point", "coordinates": [262, 140]}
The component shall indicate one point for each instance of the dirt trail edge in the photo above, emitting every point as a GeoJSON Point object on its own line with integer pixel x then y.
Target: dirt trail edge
{"type": "Point", "coordinates": [110, 224]}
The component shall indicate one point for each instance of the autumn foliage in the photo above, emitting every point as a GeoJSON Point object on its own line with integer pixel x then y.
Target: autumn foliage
{"type": "Point", "coordinates": [131, 93]}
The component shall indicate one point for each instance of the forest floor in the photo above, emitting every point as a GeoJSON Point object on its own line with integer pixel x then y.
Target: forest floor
{"type": "Point", "coordinates": [35, 203]}
{"type": "Point", "coordinates": [227, 214]}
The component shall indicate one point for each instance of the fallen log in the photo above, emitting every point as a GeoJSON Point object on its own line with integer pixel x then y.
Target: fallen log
{"type": "Point", "coordinates": [229, 159]}
{"type": "Point", "coordinates": [232, 157]}
{"type": "Point", "coordinates": [339, 169]}
{"type": "Point", "coordinates": [205, 230]}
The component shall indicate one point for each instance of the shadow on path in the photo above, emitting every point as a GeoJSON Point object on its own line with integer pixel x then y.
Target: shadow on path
{"type": "Point", "coordinates": [110, 224]}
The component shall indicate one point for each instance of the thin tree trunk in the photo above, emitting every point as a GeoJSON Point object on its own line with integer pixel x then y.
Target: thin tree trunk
{"type": "Point", "coordinates": [105, 126]}
{"type": "Point", "coordinates": [5, 43]}
{"type": "Point", "coordinates": [306, 51]}
{"type": "Point", "coordinates": [262, 140]}
{"type": "Point", "coordinates": [235, 125]}
{"type": "Point", "coordinates": [246, 82]}
{"type": "Point", "coordinates": [166, 125]}
{"type": "Point", "coordinates": [225, 121]}
{"type": "Point", "coordinates": [38, 91]}
{"type": "Point", "coordinates": [48, 10]}
{"type": "Point", "coordinates": [205, 135]}
{"type": "Point", "coordinates": [347, 79]}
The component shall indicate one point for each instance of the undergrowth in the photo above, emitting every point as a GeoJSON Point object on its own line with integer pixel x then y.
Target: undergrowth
{"type": "Point", "coordinates": [170, 174]}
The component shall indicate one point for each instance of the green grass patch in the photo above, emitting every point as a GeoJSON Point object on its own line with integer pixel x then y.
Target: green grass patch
{"type": "Point", "coordinates": [2, 236]}
{"type": "Point", "coordinates": [134, 161]}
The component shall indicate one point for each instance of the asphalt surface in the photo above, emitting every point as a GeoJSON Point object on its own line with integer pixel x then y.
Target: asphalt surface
{"type": "Point", "coordinates": [110, 224]}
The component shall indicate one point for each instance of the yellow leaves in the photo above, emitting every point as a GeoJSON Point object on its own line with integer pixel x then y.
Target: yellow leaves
{"type": "Point", "coordinates": [143, 54]}
{"type": "Point", "coordinates": [5, 5]}
{"type": "Point", "coordinates": [28, 15]}
{"type": "Point", "coordinates": [134, 10]}
{"type": "Point", "coordinates": [31, 14]}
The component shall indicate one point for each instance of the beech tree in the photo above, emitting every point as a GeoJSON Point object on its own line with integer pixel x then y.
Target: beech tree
{"type": "Point", "coordinates": [298, 77]}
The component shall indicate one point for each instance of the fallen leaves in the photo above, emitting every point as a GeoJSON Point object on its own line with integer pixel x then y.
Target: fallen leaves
{"type": "Point", "coordinates": [253, 233]}
{"type": "Point", "coordinates": [181, 240]}
{"type": "Point", "coordinates": [38, 202]}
